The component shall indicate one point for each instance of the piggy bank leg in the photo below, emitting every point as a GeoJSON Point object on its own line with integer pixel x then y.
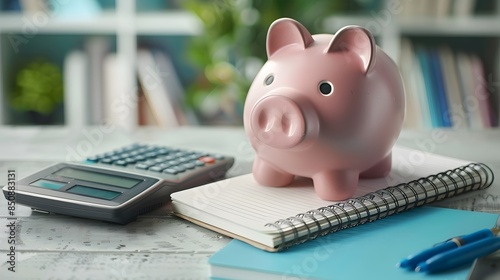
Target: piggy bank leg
{"type": "Point", "coordinates": [336, 184]}
{"type": "Point", "coordinates": [381, 169]}
{"type": "Point", "coordinates": [265, 174]}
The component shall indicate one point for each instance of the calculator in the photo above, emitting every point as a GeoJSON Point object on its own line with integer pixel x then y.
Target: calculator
{"type": "Point", "coordinates": [119, 185]}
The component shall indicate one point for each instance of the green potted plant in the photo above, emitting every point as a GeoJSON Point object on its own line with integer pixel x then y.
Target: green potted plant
{"type": "Point", "coordinates": [38, 91]}
{"type": "Point", "coordinates": [231, 48]}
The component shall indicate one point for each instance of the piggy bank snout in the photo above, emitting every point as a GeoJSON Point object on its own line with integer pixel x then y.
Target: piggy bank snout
{"type": "Point", "coordinates": [278, 121]}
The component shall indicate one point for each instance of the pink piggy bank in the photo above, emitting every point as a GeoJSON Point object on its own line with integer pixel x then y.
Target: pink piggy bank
{"type": "Point", "coordinates": [328, 107]}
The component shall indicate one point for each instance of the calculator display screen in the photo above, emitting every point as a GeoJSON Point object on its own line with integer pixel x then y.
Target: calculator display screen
{"type": "Point", "coordinates": [96, 177]}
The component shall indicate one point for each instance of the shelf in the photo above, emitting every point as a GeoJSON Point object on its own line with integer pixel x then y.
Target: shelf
{"type": "Point", "coordinates": [18, 23]}
{"type": "Point", "coordinates": [167, 23]}
{"type": "Point", "coordinates": [468, 26]}
{"type": "Point", "coordinates": [449, 26]}
{"type": "Point", "coordinates": [164, 23]}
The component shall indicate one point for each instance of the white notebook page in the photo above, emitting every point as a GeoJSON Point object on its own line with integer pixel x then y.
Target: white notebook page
{"type": "Point", "coordinates": [243, 201]}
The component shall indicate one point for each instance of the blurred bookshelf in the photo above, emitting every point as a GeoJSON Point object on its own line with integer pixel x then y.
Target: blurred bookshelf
{"type": "Point", "coordinates": [448, 52]}
{"type": "Point", "coordinates": [116, 57]}
{"type": "Point", "coordinates": [94, 46]}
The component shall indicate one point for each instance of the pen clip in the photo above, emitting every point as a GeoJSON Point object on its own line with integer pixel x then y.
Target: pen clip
{"type": "Point", "coordinates": [457, 240]}
{"type": "Point", "coordinates": [472, 237]}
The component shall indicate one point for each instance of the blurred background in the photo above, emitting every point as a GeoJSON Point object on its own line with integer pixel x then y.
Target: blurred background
{"type": "Point", "coordinates": [170, 63]}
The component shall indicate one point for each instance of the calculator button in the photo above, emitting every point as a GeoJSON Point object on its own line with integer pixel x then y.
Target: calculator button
{"type": "Point", "coordinates": [207, 159]}
{"type": "Point", "coordinates": [93, 159]}
{"type": "Point", "coordinates": [174, 162]}
{"type": "Point", "coordinates": [120, 162]}
{"type": "Point", "coordinates": [150, 155]}
{"type": "Point", "coordinates": [183, 159]}
{"type": "Point", "coordinates": [195, 156]}
{"type": "Point", "coordinates": [180, 154]}
{"type": "Point", "coordinates": [125, 155]}
{"type": "Point", "coordinates": [150, 162]}
{"type": "Point", "coordinates": [172, 171]}
{"type": "Point", "coordinates": [198, 163]}
{"type": "Point", "coordinates": [134, 153]}
{"type": "Point", "coordinates": [142, 166]}
{"type": "Point", "coordinates": [179, 168]}
{"type": "Point", "coordinates": [159, 160]}
{"type": "Point", "coordinates": [130, 160]}
{"type": "Point", "coordinates": [115, 158]}
{"type": "Point", "coordinates": [170, 157]}
{"type": "Point", "coordinates": [164, 165]}
{"type": "Point", "coordinates": [188, 165]}
{"type": "Point", "coordinates": [106, 161]}
{"type": "Point", "coordinates": [156, 169]}
{"type": "Point", "coordinates": [139, 158]}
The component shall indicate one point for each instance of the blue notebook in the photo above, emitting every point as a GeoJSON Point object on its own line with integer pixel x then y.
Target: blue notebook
{"type": "Point", "coordinates": [369, 251]}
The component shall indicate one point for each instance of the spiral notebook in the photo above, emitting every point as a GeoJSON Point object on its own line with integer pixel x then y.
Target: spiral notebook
{"type": "Point", "coordinates": [273, 219]}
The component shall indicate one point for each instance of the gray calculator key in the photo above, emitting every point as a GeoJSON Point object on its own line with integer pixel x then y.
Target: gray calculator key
{"type": "Point", "coordinates": [183, 159]}
{"type": "Point", "coordinates": [179, 168]}
{"type": "Point", "coordinates": [130, 160]}
{"type": "Point", "coordinates": [106, 161]}
{"type": "Point", "coordinates": [120, 163]}
{"type": "Point", "coordinates": [174, 162]}
{"type": "Point", "coordinates": [139, 158]}
{"type": "Point", "coordinates": [198, 163]}
{"type": "Point", "coordinates": [115, 158]}
{"type": "Point", "coordinates": [150, 162]}
{"type": "Point", "coordinates": [164, 165]}
{"type": "Point", "coordinates": [172, 171]}
{"type": "Point", "coordinates": [188, 165]}
{"type": "Point", "coordinates": [170, 157]}
{"type": "Point", "coordinates": [142, 166]}
{"type": "Point", "coordinates": [156, 169]}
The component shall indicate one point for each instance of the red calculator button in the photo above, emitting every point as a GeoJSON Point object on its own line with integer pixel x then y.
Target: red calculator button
{"type": "Point", "coordinates": [207, 159]}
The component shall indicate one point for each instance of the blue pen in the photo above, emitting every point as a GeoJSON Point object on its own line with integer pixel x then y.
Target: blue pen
{"type": "Point", "coordinates": [460, 256]}
{"type": "Point", "coordinates": [412, 261]}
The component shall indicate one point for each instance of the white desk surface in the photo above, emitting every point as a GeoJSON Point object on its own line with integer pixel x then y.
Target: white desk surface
{"type": "Point", "coordinates": [158, 245]}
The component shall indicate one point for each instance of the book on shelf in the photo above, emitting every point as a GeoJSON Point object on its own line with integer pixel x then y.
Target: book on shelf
{"type": "Point", "coordinates": [370, 251]}
{"type": "Point", "coordinates": [438, 8]}
{"type": "Point", "coordinates": [449, 87]}
{"type": "Point", "coordinates": [117, 110]}
{"type": "Point", "coordinates": [145, 115]}
{"type": "Point", "coordinates": [76, 107]}
{"type": "Point", "coordinates": [272, 218]}
{"type": "Point", "coordinates": [467, 81]}
{"type": "Point", "coordinates": [84, 83]}
{"type": "Point", "coordinates": [430, 93]}
{"type": "Point", "coordinates": [161, 88]}
{"type": "Point", "coordinates": [97, 49]}
{"type": "Point", "coordinates": [414, 114]}
{"type": "Point", "coordinates": [452, 87]}
{"type": "Point", "coordinates": [416, 102]}
{"type": "Point", "coordinates": [481, 92]}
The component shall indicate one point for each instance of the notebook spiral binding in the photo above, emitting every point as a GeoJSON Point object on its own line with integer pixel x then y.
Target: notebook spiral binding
{"type": "Point", "coordinates": [382, 203]}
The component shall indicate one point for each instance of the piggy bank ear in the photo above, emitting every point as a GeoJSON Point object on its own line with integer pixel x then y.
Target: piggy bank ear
{"type": "Point", "coordinates": [356, 40]}
{"type": "Point", "coordinates": [284, 32]}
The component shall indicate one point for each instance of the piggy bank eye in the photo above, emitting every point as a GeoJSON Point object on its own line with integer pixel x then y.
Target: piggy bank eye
{"type": "Point", "coordinates": [325, 88]}
{"type": "Point", "coordinates": [269, 79]}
